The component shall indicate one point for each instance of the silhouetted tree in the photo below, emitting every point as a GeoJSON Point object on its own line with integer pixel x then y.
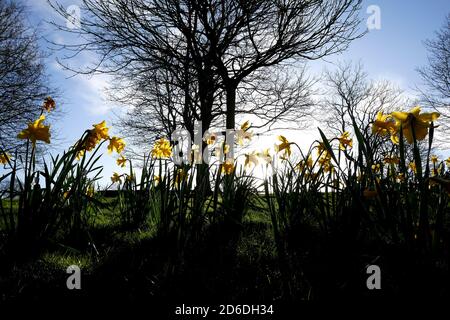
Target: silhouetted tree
{"type": "Point", "coordinates": [23, 81]}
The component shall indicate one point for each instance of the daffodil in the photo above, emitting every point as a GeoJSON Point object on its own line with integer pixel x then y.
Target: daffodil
{"type": "Point", "coordinates": [117, 144]}
{"type": "Point", "coordinates": [345, 141]}
{"type": "Point", "coordinates": [251, 158]}
{"type": "Point", "coordinates": [49, 104]}
{"type": "Point", "coordinates": [400, 177]}
{"type": "Point", "coordinates": [162, 149]}
{"type": "Point", "coordinates": [36, 131]}
{"type": "Point", "coordinates": [285, 146]}
{"type": "Point", "coordinates": [121, 161]}
{"type": "Point", "coordinates": [434, 159]}
{"type": "Point", "coordinates": [302, 165]}
{"type": "Point", "coordinates": [101, 130]}
{"type": "Point", "coordinates": [376, 167]}
{"type": "Point", "coordinates": [116, 178]}
{"type": "Point", "coordinates": [243, 136]}
{"type": "Point", "coordinates": [414, 120]}
{"type": "Point", "coordinates": [228, 167]}
{"type": "Point", "coordinates": [265, 156]}
{"type": "Point", "coordinates": [383, 125]}
{"type": "Point", "coordinates": [412, 166]}
{"type": "Point", "coordinates": [4, 157]}
{"type": "Point", "coordinates": [325, 163]}
{"type": "Point", "coordinates": [156, 179]}
{"type": "Point", "coordinates": [210, 138]}
{"type": "Point", "coordinates": [245, 126]}
{"type": "Point", "coordinates": [447, 162]}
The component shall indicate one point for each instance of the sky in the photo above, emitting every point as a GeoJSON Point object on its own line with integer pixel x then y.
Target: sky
{"type": "Point", "coordinates": [392, 52]}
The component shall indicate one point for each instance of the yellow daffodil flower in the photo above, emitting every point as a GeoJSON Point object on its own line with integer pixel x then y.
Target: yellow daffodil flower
{"type": "Point", "coordinates": [384, 124]}
{"type": "Point", "coordinates": [434, 159]}
{"type": "Point", "coordinates": [245, 126]}
{"type": "Point", "coordinates": [228, 167]}
{"type": "Point", "coordinates": [376, 167]}
{"type": "Point", "coordinates": [116, 178]}
{"type": "Point", "coordinates": [101, 130]}
{"type": "Point", "coordinates": [250, 159]}
{"type": "Point", "coordinates": [117, 144]}
{"type": "Point", "coordinates": [4, 157]}
{"type": "Point", "coordinates": [412, 166]}
{"type": "Point", "coordinates": [121, 161]}
{"type": "Point", "coordinates": [345, 141]}
{"type": "Point", "coordinates": [414, 120]}
{"type": "Point", "coordinates": [265, 156]}
{"type": "Point", "coordinates": [162, 149]}
{"type": "Point", "coordinates": [36, 131]}
{"type": "Point", "coordinates": [285, 146]}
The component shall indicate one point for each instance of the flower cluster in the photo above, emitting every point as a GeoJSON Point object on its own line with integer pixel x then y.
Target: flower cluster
{"type": "Point", "coordinates": [99, 133]}
{"type": "Point", "coordinates": [412, 123]}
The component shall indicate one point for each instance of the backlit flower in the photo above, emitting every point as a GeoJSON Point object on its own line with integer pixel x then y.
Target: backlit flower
{"type": "Point", "coordinates": [376, 167]}
{"type": "Point", "coordinates": [251, 158]}
{"type": "Point", "coordinates": [285, 146]}
{"type": "Point", "coordinates": [101, 130]}
{"type": "Point", "coordinates": [412, 166]}
{"type": "Point", "coordinates": [116, 178]}
{"type": "Point", "coordinates": [345, 141]}
{"type": "Point", "coordinates": [243, 136]}
{"type": "Point", "coordinates": [434, 159]}
{"type": "Point", "coordinates": [162, 149]}
{"type": "Point", "coordinates": [302, 165]}
{"type": "Point", "coordinates": [121, 161]}
{"type": "Point", "coordinates": [4, 157]}
{"type": "Point", "coordinates": [383, 125]}
{"type": "Point", "coordinates": [49, 104]}
{"type": "Point", "coordinates": [414, 120]}
{"type": "Point", "coordinates": [210, 138]}
{"type": "Point", "coordinates": [117, 144]}
{"type": "Point", "coordinates": [36, 131]}
{"type": "Point", "coordinates": [228, 167]}
{"type": "Point", "coordinates": [265, 156]}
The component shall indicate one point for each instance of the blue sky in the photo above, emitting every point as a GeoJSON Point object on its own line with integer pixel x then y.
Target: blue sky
{"type": "Point", "coordinates": [392, 53]}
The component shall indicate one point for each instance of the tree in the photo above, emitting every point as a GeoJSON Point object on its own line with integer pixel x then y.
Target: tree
{"type": "Point", "coordinates": [436, 75]}
{"type": "Point", "coordinates": [224, 45]}
{"type": "Point", "coordinates": [246, 37]}
{"type": "Point", "coordinates": [23, 81]}
{"type": "Point", "coordinates": [350, 94]}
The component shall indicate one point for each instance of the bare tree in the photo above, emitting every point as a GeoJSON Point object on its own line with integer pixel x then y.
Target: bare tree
{"type": "Point", "coordinates": [224, 41]}
{"type": "Point", "coordinates": [250, 35]}
{"type": "Point", "coordinates": [350, 94]}
{"type": "Point", "coordinates": [436, 76]}
{"type": "Point", "coordinates": [23, 81]}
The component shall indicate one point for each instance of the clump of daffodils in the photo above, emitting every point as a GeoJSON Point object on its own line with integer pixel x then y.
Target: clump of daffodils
{"type": "Point", "coordinates": [162, 149]}
{"type": "Point", "coordinates": [412, 123]}
{"type": "Point", "coordinates": [99, 133]}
